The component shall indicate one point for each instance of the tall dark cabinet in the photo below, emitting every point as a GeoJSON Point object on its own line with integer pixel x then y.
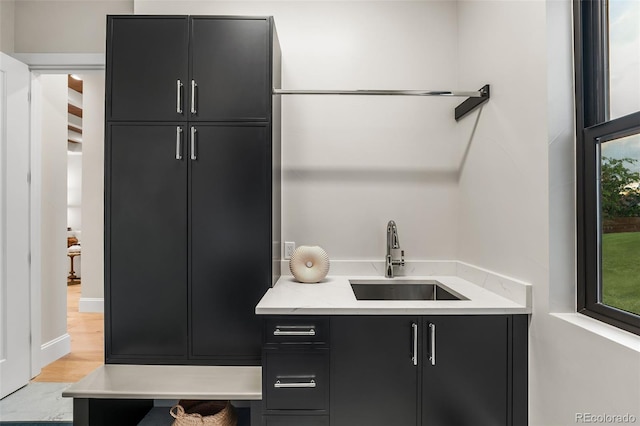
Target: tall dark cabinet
{"type": "Point", "coordinates": [192, 187]}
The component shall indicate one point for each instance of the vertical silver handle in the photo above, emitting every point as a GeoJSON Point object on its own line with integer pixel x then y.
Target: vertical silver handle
{"type": "Point", "coordinates": [193, 97]}
{"type": "Point", "coordinates": [179, 96]}
{"type": "Point", "coordinates": [178, 143]}
{"type": "Point", "coordinates": [414, 326]}
{"type": "Point", "coordinates": [193, 143]}
{"type": "Point", "coordinates": [432, 333]}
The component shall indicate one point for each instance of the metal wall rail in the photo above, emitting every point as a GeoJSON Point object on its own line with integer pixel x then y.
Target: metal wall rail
{"type": "Point", "coordinates": [475, 98]}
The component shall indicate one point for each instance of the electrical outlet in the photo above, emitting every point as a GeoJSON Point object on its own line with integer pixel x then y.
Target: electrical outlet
{"type": "Point", "coordinates": [289, 247]}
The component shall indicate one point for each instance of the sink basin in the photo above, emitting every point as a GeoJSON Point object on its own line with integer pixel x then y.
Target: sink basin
{"type": "Point", "coordinates": [402, 290]}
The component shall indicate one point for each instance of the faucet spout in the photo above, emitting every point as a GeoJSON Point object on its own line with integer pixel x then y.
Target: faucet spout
{"type": "Point", "coordinates": [394, 255]}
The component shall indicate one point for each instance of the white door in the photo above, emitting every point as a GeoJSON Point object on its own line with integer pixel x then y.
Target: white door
{"type": "Point", "coordinates": [15, 347]}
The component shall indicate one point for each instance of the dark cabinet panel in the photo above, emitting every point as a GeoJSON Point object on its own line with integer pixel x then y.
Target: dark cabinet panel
{"type": "Point", "coordinates": [373, 378]}
{"type": "Point", "coordinates": [230, 65]}
{"type": "Point", "coordinates": [146, 259]}
{"type": "Point", "coordinates": [230, 222]}
{"type": "Point", "coordinates": [296, 330]}
{"type": "Point", "coordinates": [468, 385]}
{"type": "Point", "coordinates": [296, 380]}
{"type": "Point", "coordinates": [146, 58]}
{"type": "Point", "coordinates": [296, 421]}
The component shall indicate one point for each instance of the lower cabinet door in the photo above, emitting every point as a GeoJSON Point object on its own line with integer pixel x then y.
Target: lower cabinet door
{"type": "Point", "coordinates": [374, 379]}
{"type": "Point", "coordinates": [465, 371]}
{"type": "Point", "coordinates": [146, 239]}
{"type": "Point", "coordinates": [230, 220]}
{"type": "Point", "coordinates": [296, 421]}
{"type": "Point", "coordinates": [296, 380]}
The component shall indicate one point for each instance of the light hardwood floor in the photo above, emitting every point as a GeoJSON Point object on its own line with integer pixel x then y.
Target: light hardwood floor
{"type": "Point", "coordinates": [87, 344]}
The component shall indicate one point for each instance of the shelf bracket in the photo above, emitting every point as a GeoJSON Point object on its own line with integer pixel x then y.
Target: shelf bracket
{"type": "Point", "coordinates": [472, 103]}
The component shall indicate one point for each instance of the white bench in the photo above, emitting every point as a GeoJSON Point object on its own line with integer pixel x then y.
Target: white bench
{"type": "Point", "coordinates": [122, 395]}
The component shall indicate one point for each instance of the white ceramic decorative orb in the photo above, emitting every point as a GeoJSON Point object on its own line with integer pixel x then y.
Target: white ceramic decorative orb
{"type": "Point", "coordinates": [309, 264]}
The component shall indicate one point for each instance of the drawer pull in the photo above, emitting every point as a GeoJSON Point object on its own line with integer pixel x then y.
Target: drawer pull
{"type": "Point", "coordinates": [294, 331]}
{"type": "Point", "coordinates": [310, 384]}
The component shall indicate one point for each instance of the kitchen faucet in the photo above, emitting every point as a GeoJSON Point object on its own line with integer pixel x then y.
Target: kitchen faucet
{"type": "Point", "coordinates": [395, 255]}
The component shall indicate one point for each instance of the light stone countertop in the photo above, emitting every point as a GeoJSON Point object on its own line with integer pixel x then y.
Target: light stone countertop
{"type": "Point", "coordinates": [169, 382]}
{"type": "Point", "coordinates": [334, 296]}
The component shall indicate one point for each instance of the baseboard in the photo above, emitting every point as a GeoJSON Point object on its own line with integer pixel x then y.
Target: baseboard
{"type": "Point", "coordinates": [91, 304]}
{"type": "Point", "coordinates": [55, 349]}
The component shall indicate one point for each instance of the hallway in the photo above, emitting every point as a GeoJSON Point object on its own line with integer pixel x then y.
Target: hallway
{"type": "Point", "coordinates": [87, 344]}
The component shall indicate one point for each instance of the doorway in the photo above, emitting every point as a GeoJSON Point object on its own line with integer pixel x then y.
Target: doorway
{"type": "Point", "coordinates": [67, 127]}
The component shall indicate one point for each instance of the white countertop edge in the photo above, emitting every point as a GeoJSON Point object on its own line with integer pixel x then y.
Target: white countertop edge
{"type": "Point", "coordinates": [163, 395]}
{"type": "Point", "coordinates": [392, 311]}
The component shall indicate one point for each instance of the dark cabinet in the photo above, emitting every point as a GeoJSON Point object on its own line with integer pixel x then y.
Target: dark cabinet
{"type": "Point", "coordinates": [191, 204]}
{"type": "Point", "coordinates": [429, 371]}
{"type": "Point", "coordinates": [229, 69]}
{"type": "Point", "coordinates": [199, 68]}
{"type": "Point", "coordinates": [465, 363]}
{"type": "Point", "coordinates": [230, 230]}
{"type": "Point", "coordinates": [373, 377]}
{"type": "Point", "coordinates": [296, 380]}
{"type": "Point", "coordinates": [145, 254]}
{"type": "Point", "coordinates": [147, 68]}
{"type": "Point", "coordinates": [296, 421]}
{"type": "Point", "coordinates": [295, 371]}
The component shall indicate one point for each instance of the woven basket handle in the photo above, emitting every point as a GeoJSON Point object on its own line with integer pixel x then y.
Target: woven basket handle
{"type": "Point", "coordinates": [179, 411]}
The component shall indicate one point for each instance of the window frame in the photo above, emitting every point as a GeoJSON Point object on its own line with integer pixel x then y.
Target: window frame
{"type": "Point", "coordinates": [593, 127]}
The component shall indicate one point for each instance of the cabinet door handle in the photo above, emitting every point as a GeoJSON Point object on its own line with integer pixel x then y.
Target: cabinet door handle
{"type": "Point", "coordinates": [309, 384]}
{"type": "Point", "coordinates": [193, 143]}
{"type": "Point", "coordinates": [193, 97]}
{"type": "Point", "coordinates": [432, 334]}
{"type": "Point", "coordinates": [294, 331]}
{"type": "Point", "coordinates": [414, 359]}
{"type": "Point", "coordinates": [179, 96]}
{"type": "Point", "coordinates": [178, 143]}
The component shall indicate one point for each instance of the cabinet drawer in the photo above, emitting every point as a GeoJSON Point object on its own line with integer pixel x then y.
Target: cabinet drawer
{"type": "Point", "coordinates": [296, 330]}
{"type": "Point", "coordinates": [296, 421]}
{"type": "Point", "coordinates": [296, 380]}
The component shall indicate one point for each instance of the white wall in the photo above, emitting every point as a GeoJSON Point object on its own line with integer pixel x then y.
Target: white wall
{"type": "Point", "coordinates": [578, 364]}
{"type": "Point", "coordinates": [351, 164]}
{"type": "Point", "coordinates": [92, 189]}
{"type": "Point", "coordinates": [517, 201]}
{"type": "Point", "coordinates": [55, 262]}
{"type": "Point", "coordinates": [51, 26]}
{"type": "Point", "coordinates": [7, 15]}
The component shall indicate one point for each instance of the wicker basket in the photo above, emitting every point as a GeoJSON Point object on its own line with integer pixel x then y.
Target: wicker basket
{"type": "Point", "coordinates": [208, 413]}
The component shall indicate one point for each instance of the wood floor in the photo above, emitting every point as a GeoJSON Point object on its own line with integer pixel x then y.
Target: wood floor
{"type": "Point", "coordinates": [87, 344]}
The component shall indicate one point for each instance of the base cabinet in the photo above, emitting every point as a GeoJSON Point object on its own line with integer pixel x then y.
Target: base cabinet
{"type": "Point", "coordinates": [397, 370]}
{"type": "Point", "coordinates": [373, 378]}
{"type": "Point", "coordinates": [465, 363]}
{"type": "Point", "coordinates": [296, 421]}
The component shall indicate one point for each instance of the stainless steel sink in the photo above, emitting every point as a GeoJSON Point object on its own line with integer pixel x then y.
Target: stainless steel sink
{"type": "Point", "coordinates": [402, 290]}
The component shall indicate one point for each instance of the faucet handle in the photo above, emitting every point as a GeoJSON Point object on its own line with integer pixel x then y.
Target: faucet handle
{"type": "Point", "coordinates": [402, 257]}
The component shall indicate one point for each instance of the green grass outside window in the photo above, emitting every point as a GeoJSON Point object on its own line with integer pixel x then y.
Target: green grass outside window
{"type": "Point", "coordinates": [621, 271]}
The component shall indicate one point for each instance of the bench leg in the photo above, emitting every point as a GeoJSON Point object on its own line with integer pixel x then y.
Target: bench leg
{"type": "Point", "coordinates": [109, 412]}
{"type": "Point", "coordinates": [256, 413]}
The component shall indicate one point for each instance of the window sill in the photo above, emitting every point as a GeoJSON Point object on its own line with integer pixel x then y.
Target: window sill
{"type": "Point", "coordinates": [602, 329]}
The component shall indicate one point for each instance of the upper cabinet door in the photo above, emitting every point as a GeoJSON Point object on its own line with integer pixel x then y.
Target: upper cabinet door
{"type": "Point", "coordinates": [230, 74]}
{"type": "Point", "coordinates": [147, 68]}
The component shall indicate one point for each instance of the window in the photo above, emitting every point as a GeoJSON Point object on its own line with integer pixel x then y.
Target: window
{"type": "Point", "coordinates": [607, 64]}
